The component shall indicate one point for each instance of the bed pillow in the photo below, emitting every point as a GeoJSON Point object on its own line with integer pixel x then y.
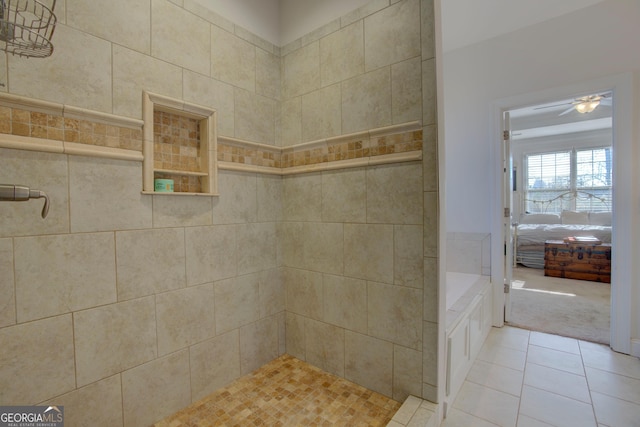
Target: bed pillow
{"type": "Point", "coordinates": [600, 218]}
{"type": "Point", "coordinates": [573, 217]}
{"type": "Point", "coordinates": [541, 218]}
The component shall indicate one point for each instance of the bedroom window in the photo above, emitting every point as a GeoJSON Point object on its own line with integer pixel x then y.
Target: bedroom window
{"type": "Point", "coordinates": [578, 180]}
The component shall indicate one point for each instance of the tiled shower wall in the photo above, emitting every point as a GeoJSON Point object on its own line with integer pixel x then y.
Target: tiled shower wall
{"type": "Point", "coordinates": [127, 307]}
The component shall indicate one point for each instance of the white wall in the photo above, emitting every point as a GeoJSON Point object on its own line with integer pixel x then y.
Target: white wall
{"type": "Point", "coordinates": [536, 58]}
{"type": "Point", "coordinates": [594, 43]}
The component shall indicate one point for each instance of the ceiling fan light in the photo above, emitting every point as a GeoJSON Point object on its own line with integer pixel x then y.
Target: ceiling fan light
{"type": "Point", "coordinates": [587, 107]}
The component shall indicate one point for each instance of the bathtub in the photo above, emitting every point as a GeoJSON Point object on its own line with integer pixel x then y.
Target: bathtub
{"type": "Point", "coordinates": [469, 305]}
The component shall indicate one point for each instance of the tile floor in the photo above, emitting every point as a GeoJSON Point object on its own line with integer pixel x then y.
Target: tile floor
{"type": "Point", "coordinates": [532, 379]}
{"type": "Point", "coordinates": [287, 392]}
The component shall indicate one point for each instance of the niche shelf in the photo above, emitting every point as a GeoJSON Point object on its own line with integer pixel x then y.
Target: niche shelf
{"type": "Point", "coordinates": [180, 143]}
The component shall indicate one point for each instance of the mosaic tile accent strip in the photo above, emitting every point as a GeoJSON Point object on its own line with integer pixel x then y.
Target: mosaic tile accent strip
{"type": "Point", "coordinates": [360, 148]}
{"type": "Point", "coordinates": [249, 156]}
{"type": "Point", "coordinates": [19, 122]}
{"type": "Point", "coordinates": [288, 392]}
{"type": "Point", "coordinates": [176, 142]}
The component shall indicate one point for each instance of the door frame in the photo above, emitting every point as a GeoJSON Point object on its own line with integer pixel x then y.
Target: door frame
{"type": "Point", "coordinates": [623, 269]}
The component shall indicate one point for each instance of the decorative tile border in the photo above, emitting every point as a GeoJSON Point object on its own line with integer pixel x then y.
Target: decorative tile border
{"type": "Point", "coordinates": [29, 124]}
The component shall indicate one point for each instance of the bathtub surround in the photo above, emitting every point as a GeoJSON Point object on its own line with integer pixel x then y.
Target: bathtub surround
{"type": "Point", "coordinates": [469, 253]}
{"type": "Point", "coordinates": [182, 295]}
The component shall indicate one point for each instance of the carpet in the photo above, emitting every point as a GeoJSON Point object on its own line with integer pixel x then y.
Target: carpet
{"type": "Point", "coordinates": [571, 308]}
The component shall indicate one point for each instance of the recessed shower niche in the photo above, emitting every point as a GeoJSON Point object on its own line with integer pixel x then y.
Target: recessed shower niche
{"type": "Point", "coordinates": [180, 143]}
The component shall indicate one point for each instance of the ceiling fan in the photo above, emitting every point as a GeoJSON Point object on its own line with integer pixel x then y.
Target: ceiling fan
{"type": "Point", "coordinates": [584, 104]}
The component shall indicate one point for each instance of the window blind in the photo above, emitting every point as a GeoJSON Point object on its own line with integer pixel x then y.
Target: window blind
{"type": "Point", "coordinates": [553, 178]}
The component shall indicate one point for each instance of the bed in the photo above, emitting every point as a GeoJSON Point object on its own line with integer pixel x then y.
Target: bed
{"type": "Point", "coordinates": [532, 230]}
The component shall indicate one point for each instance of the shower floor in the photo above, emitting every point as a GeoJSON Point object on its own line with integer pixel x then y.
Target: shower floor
{"type": "Point", "coordinates": [287, 392]}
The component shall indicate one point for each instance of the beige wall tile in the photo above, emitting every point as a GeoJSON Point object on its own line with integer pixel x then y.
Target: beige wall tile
{"type": "Point", "coordinates": [430, 353]}
{"type": "Point", "coordinates": [430, 157]}
{"type": "Point", "coordinates": [149, 262]}
{"type": "Point", "coordinates": [258, 344]}
{"type": "Point", "coordinates": [233, 60]}
{"type": "Point", "coordinates": [100, 352]}
{"type": "Point", "coordinates": [431, 290]}
{"type": "Point", "coordinates": [255, 117]}
{"type": "Point", "coordinates": [368, 252]}
{"type": "Point", "coordinates": [321, 113]}
{"type": "Point", "coordinates": [407, 256]}
{"type": "Point", "coordinates": [407, 373]}
{"type": "Point", "coordinates": [302, 197]}
{"type": "Point", "coordinates": [210, 253]}
{"type": "Point", "coordinates": [203, 90]}
{"type": "Point", "coordinates": [394, 193]}
{"type": "Point", "coordinates": [431, 224]}
{"type": "Point", "coordinates": [46, 172]}
{"type": "Point", "coordinates": [427, 29]}
{"type": "Point", "coordinates": [366, 101]}
{"type": "Point", "coordinates": [367, 9]}
{"type": "Point", "coordinates": [4, 87]}
{"type": "Point", "coordinates": [344, 196]}
{"type": "Point", "coordinates": [170, 42]}
{"type": "Point", "coordinates": [267, 74]}
{"type": "Point", "coordinates": [323, 245]}
{"type": "Point", "coordinates": [406, 83]}
{"type": "Point", "coordinates": [156, 389]}
{"type": "Point", "coordinates": [295, 337]}
{"type": "Point", "coordinates": [272, 292]}
{"type": "Point", "coordinates": [368, 361]}
{"type": "Point", "coordinates": [392, 35]}
{"type": "Point", "coordinates": [7, 287]}
{"type": "Point", "coordinates": [301, 71]}
{"type": "Point", "coordinates": [238, 200]}
{"type": "Point", "coordinates": [134, 72]}
{"type": "Point", "coordinates": [291, 122]}
{"type": "Point", "coordinates": [429, 95]}
{"type": "Point", "coordinates": [325, 346]}
{"type": "Point", "coordinates": [98, 404]}
{"type": "Point", "coordinates": [281, 319]}
{"type": "Point", "coordinates": [64, 273]}
{"type": "Point", "coordinates": [345, 302]}
{"type": "Point", "coordinates": [90, 88]}
{"type": "Point", "coordinates": [304, 292]}
{"type": "Point", "coordinates": [256, 247]}
{"type": "Point", "coordinates": [342, 54]}
{"type": "Point", "coordinates": [181, 211]}
{"type": "Point", "coordinates": [107, 20]}
{"type": "Point", "coordinates": [269, 190]}
{"type": "Point", "coordinates": [394, 314]}
{"type": "Point", "coordinates": [237, 302]}
{"type": "Point", "coordinates": [290, 245]}
{"type": "Point", "coordinates": [27, 357]}
{"type": "Point", "coordinates": [105, 195]}
{"type": "Point", "coordinates": [214, 363]}
{"type": "Point", "coordinates": [185, 317]}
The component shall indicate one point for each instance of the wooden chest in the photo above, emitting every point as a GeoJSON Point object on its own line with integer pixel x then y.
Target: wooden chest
{"type": "Point", "coordinates": [578, 260]}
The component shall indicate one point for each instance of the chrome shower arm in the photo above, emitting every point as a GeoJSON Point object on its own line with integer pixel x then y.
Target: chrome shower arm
{"type": "Point", "coordinates": [20, 193]}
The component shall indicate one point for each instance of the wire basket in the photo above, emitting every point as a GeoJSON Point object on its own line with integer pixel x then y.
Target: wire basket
{"type": "Point", "coordinates": [26, 28]}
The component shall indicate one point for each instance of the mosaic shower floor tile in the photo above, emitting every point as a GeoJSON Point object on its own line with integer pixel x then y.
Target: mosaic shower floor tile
{"type": "Point", "coordinates": [287, 392]}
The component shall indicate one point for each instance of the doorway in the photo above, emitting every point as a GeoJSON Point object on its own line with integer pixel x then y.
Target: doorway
{"type": "Point", "coordinates": [560, 186]}
{"type": "Point", "coordinates": [623, 263]}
